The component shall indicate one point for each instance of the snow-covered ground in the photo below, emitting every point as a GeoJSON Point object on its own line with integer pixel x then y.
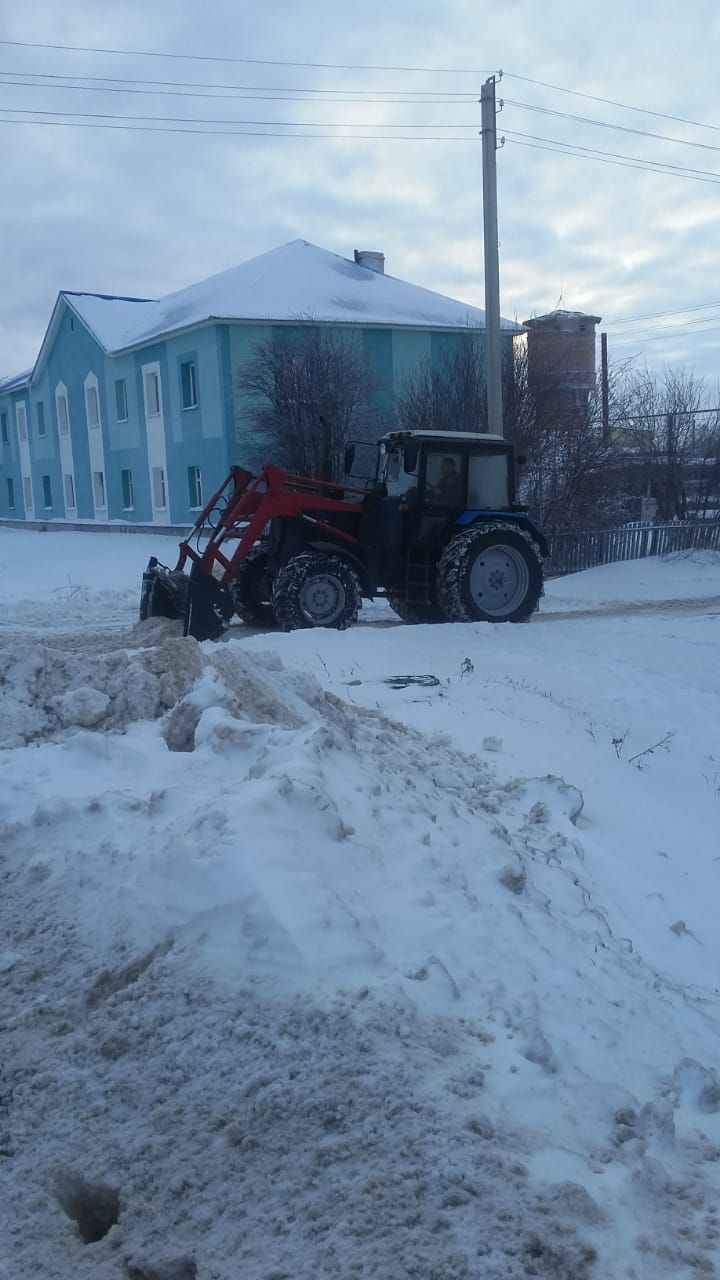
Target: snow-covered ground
{"type": "Point", "coordinates": [390, 953]}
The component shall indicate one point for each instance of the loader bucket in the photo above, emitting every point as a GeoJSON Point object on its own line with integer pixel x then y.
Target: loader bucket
{"type": "Point", "coordinates": [209, 607]}
{"type": "Point", "coordinates": [164, 592]}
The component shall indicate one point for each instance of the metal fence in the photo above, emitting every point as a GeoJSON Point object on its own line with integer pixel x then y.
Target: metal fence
{"type": "Point", "coordinates": [571, 552]}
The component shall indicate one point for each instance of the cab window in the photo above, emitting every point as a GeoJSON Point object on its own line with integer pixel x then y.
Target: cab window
{"type": "Point", "coordinates": [394, 472]}
{"type": "Point", "coordinates": [488, 481]}
{"type": "Point", "coordinates": [444, 485]}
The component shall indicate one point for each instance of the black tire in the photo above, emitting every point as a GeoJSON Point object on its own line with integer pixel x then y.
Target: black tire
{"type": "Point", "coordinates": [316, 589]}
{"type": "Point", "coordinates": [252, 592]}
{"type": "Point", "coordinates": [416, 613]}
{"type": "Point", "coordinates": [490, 573]}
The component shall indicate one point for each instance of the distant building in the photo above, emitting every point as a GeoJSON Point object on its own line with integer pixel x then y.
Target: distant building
{"type": "Point", "coordinates": [130, 411]}
{"type": "Point", "coordinates": [561, 363]}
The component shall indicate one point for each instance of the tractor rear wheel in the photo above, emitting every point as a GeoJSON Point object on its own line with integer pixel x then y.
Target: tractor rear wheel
{"type": "Point", "coordinates": [490, 573]}
{"type": "Point", "coordinates": [316, 590]}
{"type": "Point", "coordinates": [252, 592]}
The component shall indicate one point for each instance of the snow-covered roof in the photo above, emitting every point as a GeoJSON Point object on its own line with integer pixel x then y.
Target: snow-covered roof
{"type": "Point", "coordinates": [12, 384]}
{"type": "Point", "coordinates": [293, 282]}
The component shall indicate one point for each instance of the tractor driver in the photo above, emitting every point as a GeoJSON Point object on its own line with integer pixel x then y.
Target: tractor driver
{"type": "Point", "coordinates": [448, 488]}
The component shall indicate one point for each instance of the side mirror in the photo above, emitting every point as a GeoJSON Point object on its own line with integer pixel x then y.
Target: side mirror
{"type": "Point", "coordinates": [349, 458]}
{"type": "Point", "coordinates": [520, 460]}
{"type": "Point", "coordinates": [411, 456]}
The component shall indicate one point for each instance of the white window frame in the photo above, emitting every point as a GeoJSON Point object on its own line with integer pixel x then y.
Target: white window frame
{"type": "Point", "coordinates": [99, 490]}
{"type": "Point", "coordinates": [21, 422]}
{"type": "Point", "coordinates": [92, 397]}
{"type": "Point", "coordinates": [159, 489]}
{"type": "Point", "coordinates": [47, 492]}
{"type": "Point", "coordinates": [121, 382]}
{"type": "Point", "coordinates": [193, 381]}
{"type": "Point", "coordinates": [65, 441]}
{"type": "Point", "coordinates": [195, 488]}
{"type": "Point", "coordinates": [96, 447]}
{"type": "Point", "coordinates": [152, 393]}
{"type": "Point", "coordinates": [11, 499]}
{"type": "Point", "coordinates": [63, 415]}
{"type": "Point", "coordinates": [156, 448]}
{"type": "Point", "coordinates": [127, 506]}
{"type": "Point", "coordinates": [40, 415]}
{"type": "Point", "coordinates": [4, 430]}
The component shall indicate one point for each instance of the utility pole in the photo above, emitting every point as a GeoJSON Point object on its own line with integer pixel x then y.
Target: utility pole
{"type": "Point", "coordinates": [493, 353]}
{"type": "Point", "coordinates": [604, 389]}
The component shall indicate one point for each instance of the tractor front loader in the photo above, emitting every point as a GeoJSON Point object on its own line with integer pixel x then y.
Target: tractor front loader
{"type": "Point", "coordinates": [438, 534]}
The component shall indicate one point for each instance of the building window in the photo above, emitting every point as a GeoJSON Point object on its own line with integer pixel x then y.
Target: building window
{"type": "Point", "coordinates": [40, 411]}
{"type": "Point", "coordinates": [195, 487]}
{"type": "Point", "coordinates": [11, 494]}
{"type": "Point", "coordinates": [99, 489]}
{"type": "Point", "coordinates": [21, 418]}
{"type": "Point", "coordinates": [128, 495]}
{"type": "Point", "coordinates": [92, 407]}
{"type": "Point", "coordinates": [188, 384]}
{"type": "Point", "coordinates": [159, 492]}
{"type": "Point", "coordinates": [47, 492]}
{"type": "Point", "coordinates": [121, 404]}
{"type": "Point", "coordinates": [27, 493]}
{"type": "Point", "coordinates": [69, 485]}
{"type": "Point", "coordinates": [62, 413]}
{"type": "Point", "coordinates": [4, 428]}
{"type": "Point", "coordinates": [152, 394]}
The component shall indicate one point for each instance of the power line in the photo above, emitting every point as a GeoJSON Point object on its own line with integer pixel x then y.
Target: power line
{"type": "Point", "coordinates": [255, 62]}
{"type": "Point", "coordinates": [237, 133]}
{"type": "Point", "coordinates": [621, 333]}
{"type": "Point", "coordinates": [657, 315]}
{"type": "Point", "coordinates": [362, 94]}
{"type": "Point", "coordinates": [604, 124]}
{"type": "Point", "coordinates": [681, 330]}
{"type": "Point", "coordinates": [90, 121]}
{"type": "Point", "coordinates": [610, 157]}
{"type": "Point", "coordinates": [285, 124]}
{"type": "Point", "coordinates": [355, 66]}
{"type": "Point", "coordinates": [610, 102]}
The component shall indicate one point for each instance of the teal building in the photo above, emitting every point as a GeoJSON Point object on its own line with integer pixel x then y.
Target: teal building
{"type": "Point", "coordinates": [130, 412]}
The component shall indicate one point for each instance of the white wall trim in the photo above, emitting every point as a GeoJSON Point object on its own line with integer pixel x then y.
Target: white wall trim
{"type": "Point", "coordinates": [67, 461]}
{"type": "Point", "coordinates": [156, 448]}
{"type": "Point", "coordinates": [22, 415]}
{"type": "Point", "coordinates": [96, 448]}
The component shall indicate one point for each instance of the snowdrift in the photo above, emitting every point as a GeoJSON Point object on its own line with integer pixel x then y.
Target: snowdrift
{"type": "Point", "coordinates": [294, 990]}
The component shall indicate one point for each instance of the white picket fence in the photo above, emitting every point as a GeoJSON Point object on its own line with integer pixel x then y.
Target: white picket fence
{"type": "Point", "coordinates": [571, 552]}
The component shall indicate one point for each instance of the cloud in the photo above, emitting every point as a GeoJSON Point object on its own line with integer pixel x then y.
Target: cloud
{"type": "Point", "coordinates": [147, 213]}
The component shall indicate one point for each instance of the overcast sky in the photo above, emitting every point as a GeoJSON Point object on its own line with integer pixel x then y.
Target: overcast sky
{"type": "Point", "coordinates": [144, 213]}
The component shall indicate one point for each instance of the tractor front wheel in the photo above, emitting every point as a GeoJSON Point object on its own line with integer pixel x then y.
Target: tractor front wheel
{"type": "Point", "coordinates": [490, 573]}
{"type": "Point", "coordinates": [252, 592]}
{"type": "Point", "coordinates": [316, 590]}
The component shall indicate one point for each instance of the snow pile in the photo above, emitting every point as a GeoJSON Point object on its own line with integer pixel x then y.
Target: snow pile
{"type": "Point", "coordinates": [685, 575]}
{"type": "Point", "coordinates": [47, 692]}
{"type": "Point", "coordinates": [304, 992]}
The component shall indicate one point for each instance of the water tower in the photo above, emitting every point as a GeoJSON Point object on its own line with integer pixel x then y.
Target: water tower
{"type": "Point", "coordinates": [561, 363]}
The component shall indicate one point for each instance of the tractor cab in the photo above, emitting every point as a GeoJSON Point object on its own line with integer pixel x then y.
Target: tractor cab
{"type": "Point", "coordinates": [444, 475]}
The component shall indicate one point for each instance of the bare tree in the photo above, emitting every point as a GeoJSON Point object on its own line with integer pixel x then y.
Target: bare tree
{"type": "Point", "coordinates": [449, 395]}
{"type": "Point", "coordinates": [673, 440]}
{"type": "Point", "coordinates": [306, 395]}
{"type": "Point", "coordinates": [568, 463]}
